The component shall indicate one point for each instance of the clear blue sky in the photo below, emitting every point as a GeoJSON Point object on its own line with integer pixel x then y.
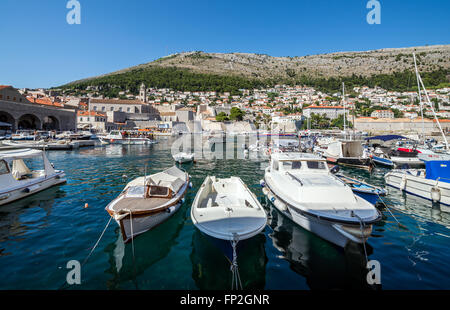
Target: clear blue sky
{"type": "Point", "coordinates": [39, 49]}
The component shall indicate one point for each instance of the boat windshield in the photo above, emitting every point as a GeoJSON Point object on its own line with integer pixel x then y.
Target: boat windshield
{"type": "Point", "coordinates": [136, 191]}
{"type": "Point", "coordinates": [292, 165]}
{"type": "Point", "coordinates": [320, 165]}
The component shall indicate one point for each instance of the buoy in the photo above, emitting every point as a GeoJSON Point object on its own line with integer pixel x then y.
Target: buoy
{"type": "Point", "coordinates": [435, 194]}
{"type": "Point", "coordinates": [86, 205]}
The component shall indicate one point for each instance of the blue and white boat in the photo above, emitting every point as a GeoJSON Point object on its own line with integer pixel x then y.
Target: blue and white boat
{"type": "Point", "coordinates": [431, 183]}
{"type": "Point", "coordinates": [382, 161]}
{"type": "Point", "coordinates": [364, 190]}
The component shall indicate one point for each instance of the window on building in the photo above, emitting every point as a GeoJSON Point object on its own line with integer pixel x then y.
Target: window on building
{"type": "Point", "coordinates": [95, 108]}
{"type": "Point", "coordinates": [1, 96]}
{"type": "Point", "coordinates": [128, 109]}
{"type": "Point", "coordinates": [81, 119]}
{"type": "Point", "coordinates": [103, 108]}
{"type": "Point", "coordinates": [120, 109]}
{"type": "Point", "coordinates": [111, 108]}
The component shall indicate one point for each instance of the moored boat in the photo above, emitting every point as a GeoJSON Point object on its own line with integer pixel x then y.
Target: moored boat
{"type": "Point", "coordinates": [302, 188]}
{"type": "Point", "coordinates": [349, 154]}
{"type": "Point", "coordinates": [17, 180]}
{"type": "Point", "coordinates": [431, 183]}
{"type": "Point", "coordinates": [364, 190]}
{"type": "Point", "coordinates": [148, 201]}
{"type": "Point", "coordinates": [227, 211]}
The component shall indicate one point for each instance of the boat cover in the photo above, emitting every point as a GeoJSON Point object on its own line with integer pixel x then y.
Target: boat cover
{"type": "Point", "coordinates": [386, 138]}
{"type": "Point", "coordinates": [438, 169]}
{"type": "Point", "coordinates": [172, 178]}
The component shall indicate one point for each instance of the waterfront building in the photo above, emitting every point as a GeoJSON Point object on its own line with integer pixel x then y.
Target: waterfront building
{"type": "Point", "coordinates": [40, 113]}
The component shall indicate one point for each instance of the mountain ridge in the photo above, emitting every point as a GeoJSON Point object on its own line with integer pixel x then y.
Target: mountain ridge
{"type": "Point", "coordinates": [335, 64]}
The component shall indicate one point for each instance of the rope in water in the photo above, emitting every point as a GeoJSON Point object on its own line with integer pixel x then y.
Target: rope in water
{"type": "Point", "coordinates": [236, 283]}
{"type": "Point", "coordinates": [361, 227]}
{"type": "Point", "coordinates": [382, 201]}
{"type": "Point", "coordinates": [103, 232]}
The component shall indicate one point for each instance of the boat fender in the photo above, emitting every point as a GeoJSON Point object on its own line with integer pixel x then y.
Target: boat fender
{"type": "Point", "coordinates": [272, 199]}
{"type": "Point", "coordinates": [403, 183]}
{"type": "Point", "coordinates": [182, 200]}
{"type": "Point", "coordinates": [435, 194]}
{"type": "Point", "coordinates": [262, 183]}
{"type": "Point", "coordinates": [190, 184]}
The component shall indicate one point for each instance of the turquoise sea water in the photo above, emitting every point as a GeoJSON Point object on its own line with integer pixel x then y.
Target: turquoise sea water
{"type": "Point", "coordinates": [41, 233]}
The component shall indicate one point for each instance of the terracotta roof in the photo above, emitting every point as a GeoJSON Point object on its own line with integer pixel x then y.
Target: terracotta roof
{"type": "Point", "coordinates": [116, 101]}
{"type": "Point", "coordinates": [4, 86]}
{"type": "Point", "coordinates": [324, 107]}
{"type": "Point", "coordinates": [89, 113]}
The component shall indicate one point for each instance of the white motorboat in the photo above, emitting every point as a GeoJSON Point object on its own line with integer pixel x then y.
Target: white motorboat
{"type": "Point", "coordinates": [302, 188]}
{"type": "Point", "coordinates": [17, 180]}
{"type": "Point", "coordinates": [431, 183]}
{"type": "Point", "coordinates": [118, 137]}
{"type": "Point", "coordinates": [183, 157]}
{"type": "Point", "coordinates": [148, 201]}
{"type": "Point", "coordinates": [23, 135]}
{"type": "Point", "coordinates": [225, 209]}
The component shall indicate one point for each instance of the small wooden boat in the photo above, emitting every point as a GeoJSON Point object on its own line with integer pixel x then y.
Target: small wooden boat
{"type": "Point", "coordinates": [148, 201]}
{"type": "Point", "coordinates": [364, 190]}
{"type": "Point", "coordinates": [226, 210]}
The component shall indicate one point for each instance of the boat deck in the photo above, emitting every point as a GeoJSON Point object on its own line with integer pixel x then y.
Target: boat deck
{"type": "Point", "coordinates": [138, 204]}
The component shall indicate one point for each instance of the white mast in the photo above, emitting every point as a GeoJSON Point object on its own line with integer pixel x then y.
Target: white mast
{"type": "Point", "coordinates": [343, 103]}
{"type": "Point", "coordinates": [420, 98]}
{"type": "Point", "coordinates": [429, 102]}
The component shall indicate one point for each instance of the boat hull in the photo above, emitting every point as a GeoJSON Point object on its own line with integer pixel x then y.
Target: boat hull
{"type": "Point", "coordinates": [32, 188]}
{"type": "Point", "coordinates": [352, 162]}
{"type": "Point", "coordinates": [127, 141]}
{"type": "Point", "coordinates": [419, 186]}
{"type": "Point", "coordinates": [144, 223]}
{"type": "Point", "coordinates": [384, 162]}
{"type": "Point", "coordinates": [336, 233]}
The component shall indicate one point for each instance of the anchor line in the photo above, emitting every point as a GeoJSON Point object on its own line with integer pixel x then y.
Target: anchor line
{"type": "Point", "coordinates": [361, 227]}
{"type": "Point", "coordinates": [103, 232]}
{"type": "Point", "coordinates": [236, 278]}
{"type": "Point", "coordinates": [389, 209]}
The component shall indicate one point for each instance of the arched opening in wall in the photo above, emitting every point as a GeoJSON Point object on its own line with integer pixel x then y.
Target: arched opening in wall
{"type": "Point", "coordinates": [5, 117]}
{"type": "Point", "coordinates": [29, 121]}
{"type": "Point", "coordinates": [50, 123]}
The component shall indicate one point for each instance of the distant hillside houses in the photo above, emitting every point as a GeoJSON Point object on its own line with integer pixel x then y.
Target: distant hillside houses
{"type": "Point", "coordinates": [382, 114]}
{"type": "Point", "coordinates": [331, 112]}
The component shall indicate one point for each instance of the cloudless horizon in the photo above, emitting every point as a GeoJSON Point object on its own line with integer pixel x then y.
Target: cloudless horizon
{"type": "Point", "coordinates": [40, 49]}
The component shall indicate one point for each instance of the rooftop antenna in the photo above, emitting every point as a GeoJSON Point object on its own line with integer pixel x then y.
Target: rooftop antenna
{"type": "Point", "coordinates": [429, 102]}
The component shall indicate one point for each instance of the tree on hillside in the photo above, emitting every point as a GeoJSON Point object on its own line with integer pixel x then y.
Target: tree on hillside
{"type": "Point", "coordinates": [221, 117]}
{"type": "Point", "coordinates": [236, 114]}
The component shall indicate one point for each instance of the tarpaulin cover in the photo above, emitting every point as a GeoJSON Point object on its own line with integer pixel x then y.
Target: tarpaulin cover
{"type": "Point", "coordinates": [438, 169]}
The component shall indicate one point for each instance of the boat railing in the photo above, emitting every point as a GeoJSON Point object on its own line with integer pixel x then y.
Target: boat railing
{"type": "Point", "coordinates": [294, 177]}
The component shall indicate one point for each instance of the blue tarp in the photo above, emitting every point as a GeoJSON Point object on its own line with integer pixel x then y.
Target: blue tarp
{"type": "Point", "coordinates": [386, 137]}
{"type": "Point", "coordinates": [438, 169]}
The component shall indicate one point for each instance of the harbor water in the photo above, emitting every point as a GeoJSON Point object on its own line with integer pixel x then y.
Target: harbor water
{"type": "Point", "coordinates": [40, 234]}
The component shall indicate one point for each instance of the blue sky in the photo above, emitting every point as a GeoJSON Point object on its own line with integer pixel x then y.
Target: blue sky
{"type": "Point", "coordinates": [39, 49]}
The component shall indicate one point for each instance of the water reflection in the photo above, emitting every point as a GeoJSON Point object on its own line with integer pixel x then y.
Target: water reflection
{"type": "Point", "coordinates": [149, 248]}
{"type": "Point", "coordinates": [323, 265]}
{"type": "Point", "coordinates": [211, 269]}
{"type": "Point", "coordinates": [29, 213]}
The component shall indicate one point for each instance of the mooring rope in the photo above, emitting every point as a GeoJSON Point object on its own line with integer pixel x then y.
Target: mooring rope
{"type": "Point", "coordinates": [103, 232]}
{"type": "Point", "coordinates": [236, 283]}
{"type": "Point", "coordinates": [382, 201]}
{"type": "Point", "coordinates": [361, 227]}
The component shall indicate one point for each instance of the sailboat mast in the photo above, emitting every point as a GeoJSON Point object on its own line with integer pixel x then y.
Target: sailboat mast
{"type": "Point", "coordinates": [420, 97]}
{"type": "Point", "coordinates": [343, 103]}
{"type": "Point", "coordinates": [431, 105]}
